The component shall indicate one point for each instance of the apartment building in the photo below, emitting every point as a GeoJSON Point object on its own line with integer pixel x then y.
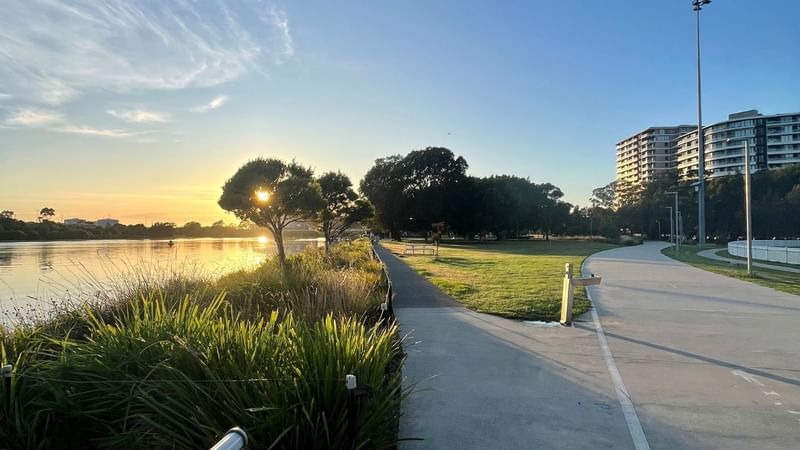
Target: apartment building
{"type": "Point", "coordinates": [774, 142]}
{"type": "Point", "coordinates": [641, 156]}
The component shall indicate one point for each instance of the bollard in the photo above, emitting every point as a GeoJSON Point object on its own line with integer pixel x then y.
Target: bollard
{"type": "Point", "coordinates": [351, 383]}
{"type": "Point", "coordinates": [5, 372]}
{"type": "Point", "coordinates": [566, 296]}
{"type": "Point", "coordinates": [234, 439]}
{"type": "Point", "coordinates": [568, 291]}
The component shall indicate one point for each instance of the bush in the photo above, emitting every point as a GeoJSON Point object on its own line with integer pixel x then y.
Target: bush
{"type": "Point", "coordinates": [176, 365]}
{"type": "Point", "coordinates": [161, 376]}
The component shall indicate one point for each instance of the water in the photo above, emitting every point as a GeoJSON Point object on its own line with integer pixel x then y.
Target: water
{"type": "Point", "coordinates": [35, 275]}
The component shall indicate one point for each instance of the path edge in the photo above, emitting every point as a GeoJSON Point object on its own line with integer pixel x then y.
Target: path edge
{"type": "Point", "coordinates": [631, 418]}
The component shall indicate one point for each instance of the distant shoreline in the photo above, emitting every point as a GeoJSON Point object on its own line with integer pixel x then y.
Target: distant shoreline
{"type": "Point", "coordinates": [305, 234]}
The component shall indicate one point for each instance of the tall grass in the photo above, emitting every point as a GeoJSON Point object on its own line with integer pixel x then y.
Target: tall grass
{"type": "Point", "coordinates": [171, 369]}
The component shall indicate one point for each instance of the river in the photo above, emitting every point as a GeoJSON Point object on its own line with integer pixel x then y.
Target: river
{"type": "Point", "coordinates": [35, 276]}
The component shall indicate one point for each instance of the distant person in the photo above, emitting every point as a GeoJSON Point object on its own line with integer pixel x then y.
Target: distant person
{"type": "Point", "coordinates": [170, 243]}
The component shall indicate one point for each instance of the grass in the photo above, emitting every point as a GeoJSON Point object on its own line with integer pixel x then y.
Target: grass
{"type": "Point", "coordinates": [778, 280]}
{"type": "Point", "coordinates": [724, 253]}
{"type": "Point", "coordinates": [177, 365]}
{"type": "Point", "coordinates": [515, 279]}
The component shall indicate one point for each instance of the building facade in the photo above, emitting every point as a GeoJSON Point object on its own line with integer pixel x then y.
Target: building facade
{"type": "Point", "coordinates": [774, 142]}
{"type": "Point", "coordinates": [645, 154]}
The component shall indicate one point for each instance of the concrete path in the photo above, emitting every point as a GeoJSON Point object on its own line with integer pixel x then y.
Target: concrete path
{"type": "Point", "coordinates": [483, 382]}
{"type": "Point", "coordinates": [709, 361]}
{"type": "Point", "coordinates": [712, 254]}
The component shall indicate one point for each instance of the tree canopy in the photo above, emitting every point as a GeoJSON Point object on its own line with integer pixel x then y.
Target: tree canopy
{"type": "Point", "coordinates": [343, 206]}
{"type": "Point", "coordinates": [273, 194]}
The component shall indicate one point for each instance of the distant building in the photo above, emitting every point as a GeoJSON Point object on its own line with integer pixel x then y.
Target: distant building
{"type": "Point", "coordinates": [105, 223]}
{"type": "Point", "coordinates": [643, 155]}
{"type": "Point", "coordinates": [774, 142]}
{"type": "Point", "coordinates": [78, 222]}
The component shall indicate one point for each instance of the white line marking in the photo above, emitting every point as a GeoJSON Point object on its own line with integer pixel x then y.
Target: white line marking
{"type": "Point", "coordinates": [793, 412]}
{"type": "Point", "coordinates": [634, 426]}
{"type": "Point", "coordinates": [750, 378]}
{"type": "Point", "coordinates": [771, 393]}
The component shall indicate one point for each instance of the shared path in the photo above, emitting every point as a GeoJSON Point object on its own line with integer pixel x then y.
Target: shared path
{"type": "Point", "coordinates": [675, 357]}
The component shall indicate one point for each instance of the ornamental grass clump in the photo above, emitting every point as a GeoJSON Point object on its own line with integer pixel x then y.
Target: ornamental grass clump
{"type": "Point", "coordinates": [160, 373]}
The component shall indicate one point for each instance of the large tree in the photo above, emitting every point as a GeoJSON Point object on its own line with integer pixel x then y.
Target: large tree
{"type": "Point", "coordinates": [343, 206]}
{"type": "Point", "coordinates": [46, 213]}
{"type": "Point", "coordinates": [273, 194]}
{"type": "Point", "coordinates": [416, 190]}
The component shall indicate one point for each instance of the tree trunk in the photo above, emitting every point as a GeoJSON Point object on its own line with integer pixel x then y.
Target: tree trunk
{"type": "Point", "coordinates": [326, 231]}
{"type": "Point", "coordinates": [278, 234]}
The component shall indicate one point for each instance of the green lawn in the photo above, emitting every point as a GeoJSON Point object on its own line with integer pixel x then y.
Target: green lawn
{"type": "Point", "coordinates": [782, 281]}
{"type": "Point", "coordinates": [724, 253]}
{"type": "Point", "coordinates": [518, 279]}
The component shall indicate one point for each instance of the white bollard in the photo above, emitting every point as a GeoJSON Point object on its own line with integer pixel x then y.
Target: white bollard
{"type": "Point", "coordinates": [234, 439]}
{"type": "Point", "coordinates": [566, 296]}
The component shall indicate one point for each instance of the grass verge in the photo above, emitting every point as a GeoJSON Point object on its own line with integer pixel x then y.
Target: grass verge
{"type": "Point", "coordinates": [515, 279]}
{"type": "Point", "coordinates": [781, 281]}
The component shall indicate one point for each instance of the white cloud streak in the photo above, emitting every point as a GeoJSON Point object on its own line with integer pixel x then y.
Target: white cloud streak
{"type": "Point", "coordinates": [52, 52]}
{"type": "Point", "coordinates": [55, 121]}
{"type": "Point", "coordinates": [215, 103]}
{"type": "Point", "coordinates": [29, 117]}
{"type": "Point", "coordinates": [140, 116]}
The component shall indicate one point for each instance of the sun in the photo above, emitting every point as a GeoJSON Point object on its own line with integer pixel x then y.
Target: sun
{"type": "Point", "coordinates": [263, 240]}
{"type": "Point", "coordinates": [262, 196]}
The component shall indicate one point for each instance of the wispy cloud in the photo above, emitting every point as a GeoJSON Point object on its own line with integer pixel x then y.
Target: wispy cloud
{"type": "Point", "coordinates": [139, 116]}
{"type": "Point", "coordinates": [55, 121]}
{"type": "Point", "coordinates": [29, 117]}
{"type": "Point", "coordinates": [215, 103]}
{"type": "Point", "coordinates": [87, 130]}
{"type": "Point", "coordinates": [53, 52]}
{"type": "Point", "coordinates": [4, 96]}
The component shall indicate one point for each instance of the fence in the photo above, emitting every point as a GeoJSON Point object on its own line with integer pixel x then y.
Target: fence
{"type": "Point", "coordinates": [387, 305]}
{"type": "Point", "coordinates": [783, 251]}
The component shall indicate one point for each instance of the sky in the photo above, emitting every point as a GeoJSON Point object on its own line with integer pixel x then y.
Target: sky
{"type": "Point", "coordinates": [140, 110]}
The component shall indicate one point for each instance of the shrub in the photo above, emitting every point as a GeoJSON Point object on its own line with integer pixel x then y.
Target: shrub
{"type": "Point", "coordinates": [166, 374]}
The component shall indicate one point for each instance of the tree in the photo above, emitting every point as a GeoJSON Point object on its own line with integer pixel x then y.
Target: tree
{"type": "Point", "coordinates": [46, 213]}
{"type": "Point", "coordinates": [272, 194]}
{"type": "Point", "coordinates": [7, 214]}
{"type": "Point", "coordinates": [421, 185]}
{"type": "Point", "coordinates": [605, 196]}
{"type": "Point", "coordinates": [193, 228]}
{"type": "Point", "coordinates": [343, 207]}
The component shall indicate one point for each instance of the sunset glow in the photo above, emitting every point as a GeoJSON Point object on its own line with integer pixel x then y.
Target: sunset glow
{"type": "Point", "coordinates": [262, 196]}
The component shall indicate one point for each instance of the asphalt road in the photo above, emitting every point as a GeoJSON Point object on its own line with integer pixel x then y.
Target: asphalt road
{"type": "Point", "coordinates": [708, 361]}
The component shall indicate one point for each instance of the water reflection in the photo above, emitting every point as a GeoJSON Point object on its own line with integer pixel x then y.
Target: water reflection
{"type": "Point", "coordinates": [36, 274]}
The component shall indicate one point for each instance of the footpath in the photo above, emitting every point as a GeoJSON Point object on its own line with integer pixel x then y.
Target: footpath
{"type": "Point", "coordinates": [484, 382]}
{"type": "Point", "coordinates": [708, 361]}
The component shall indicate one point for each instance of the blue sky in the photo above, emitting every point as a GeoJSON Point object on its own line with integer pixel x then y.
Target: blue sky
{"type": "Point", "coordinates": [141, 110]}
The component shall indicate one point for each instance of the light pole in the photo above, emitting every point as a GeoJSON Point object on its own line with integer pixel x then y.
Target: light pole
{"type": "Point", "coordinates": [697, 6]}
{"type": "Point", "coordinates": [747, 211]}
{"type": "Point", "coordinates": [671, 232]}
{"type": "Point", "coordinates": [677, 212]}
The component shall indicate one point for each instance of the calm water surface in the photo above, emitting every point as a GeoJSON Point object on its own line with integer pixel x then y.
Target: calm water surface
{"type": "Point", "coordinates": [35, 274]}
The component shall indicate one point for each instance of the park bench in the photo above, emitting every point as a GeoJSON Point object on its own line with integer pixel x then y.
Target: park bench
{"type": "Point", "coordinates": [419, 249]}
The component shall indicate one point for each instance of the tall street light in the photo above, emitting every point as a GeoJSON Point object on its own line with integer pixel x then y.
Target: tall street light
{"type": "Point", "coordinates": [697, 5]}
{"type": "Point", "coordinates": [747, 211]}
{"type": "Point", "coordinates": [671, 232]}
{"type": "Point", "coordinates": [677, 223]}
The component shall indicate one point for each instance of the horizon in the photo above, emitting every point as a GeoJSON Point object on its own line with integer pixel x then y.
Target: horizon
{"type": "Point", "coordinates": [141, 113]}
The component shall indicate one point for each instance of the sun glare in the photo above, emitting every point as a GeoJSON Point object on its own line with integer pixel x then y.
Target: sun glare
{"type": "Point", "coordinates": [262, 196]}
{"type": "Point", "coordinates": [263, 239]}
